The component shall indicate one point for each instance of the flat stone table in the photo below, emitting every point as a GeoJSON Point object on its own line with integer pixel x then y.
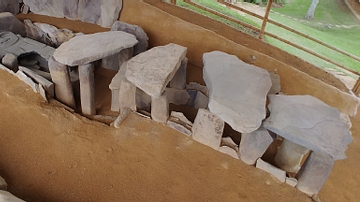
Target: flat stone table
{"type": "Point", "coordinates": [82, 51]}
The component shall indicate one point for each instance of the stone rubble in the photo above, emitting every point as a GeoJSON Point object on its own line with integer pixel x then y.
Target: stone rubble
{"type": "Point", "coordinates": [179, 79]}
{"type": "Point", "coordinates": [23, 77]}
{"type": "Point", "coordinates": [291, 181]}
{"type": "Point", "coordinates": [48, 86]}
{"type": "Point", "coordinates": [179, 122]}
{"type": "Point", "coordinates": [57, 36]}
{"type": "Point", "coordinates": [35, 33]}
{"type": "Point", "coordinates": [227, 141]}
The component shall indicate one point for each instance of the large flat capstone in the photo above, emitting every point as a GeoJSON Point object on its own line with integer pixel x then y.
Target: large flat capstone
{"type": "Point", "coordinates": [307, 121]}
{"type": "Point", "coordinates": [85, 49]}
{"type": "Point", "coordinates": [237, 90]}
{"type": "Point", "coordinates": [152, 70]}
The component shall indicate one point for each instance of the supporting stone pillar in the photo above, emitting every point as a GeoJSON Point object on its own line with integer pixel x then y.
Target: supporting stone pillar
{"type": "Point", "coordinates": [314, 173]}
{"type": "Point", "coordinates": [179, 79]}
{"type": "Point", "coordinates": [127, 95]}
{"type": "Point", "coordinates": [61, 78]}
{"type": "Point", "coordinates": [115, 61]}
{"type": "Point", "coordinates": [87, 89]}
{"type": "Point", "coordinates": [160, 108]}
{"type": "Point", "coordinates": [290, 155]}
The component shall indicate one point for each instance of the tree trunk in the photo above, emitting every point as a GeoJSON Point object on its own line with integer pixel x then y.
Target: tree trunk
{"type": "Point", "coordinates": [311, 11]}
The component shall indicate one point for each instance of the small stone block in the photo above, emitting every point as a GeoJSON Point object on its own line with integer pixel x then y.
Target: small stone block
{"type": "Point", "coordinates": [182, 129]}
{"type": "Point", "coordinates": [276, 172]}
{"type": "Point", "coordinates": [22, 76]}
{"type": "Point", "coordinates": [127, 95]}
{"type": "Point", "coordinates": [10, 61]}
{"type": "Point", "coordinates": [290, 155]}
{"type": "Point", "coordinates": [160, 108]}
{"type": "Point", "coordinates": [46, 84]}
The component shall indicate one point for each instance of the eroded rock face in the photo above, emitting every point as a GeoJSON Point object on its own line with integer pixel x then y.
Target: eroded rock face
{"type": "Point", "coordinates": [48, 7]}
{"type": "Point", "coordinates": [237, 90]}
{"type": "Point", "coordinates": [307, 121]}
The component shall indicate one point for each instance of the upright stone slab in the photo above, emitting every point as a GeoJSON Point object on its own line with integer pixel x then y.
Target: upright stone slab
{"type": "Point", "coordinates": [254, 145]}
{"type": "Point", "coordinates": [8, 22]}
{"type": "Point", "coordinates": [267, 167]}
{"type": "Point", "coordinates": [87, 89]}
{"type": "Point", "coordinates": [237, 90]}
{"type": "Point", "coordinates": [61, 78]}
{"type": "Point", "coordinates": [48, 85]}
{"type": "Point", "coordinates": [208, 129]}
{"type": "Point", "coordinates": [110, 11]}
{"type": "Point", "coordinates": [179, 80]}
{"type": "Point", "coordinates": [11, 6]}
{"type": "Point", "coordinates": [308, 122]}
{"type": "Point", "coordinates": [10, 61]}
{"type": "Point", "coordinates": [46, 7]}
{"type": "Point", "coordinates": [85, 49]}
{"type": "Point", "coordinates": [290, 155]}
{"type": "Point", "coordinates": [152, 70]}
{"type": "Point", "coordinates": [114, 62]}
{"type": "Point", "coordinates": [177, 97]}
{"type": "Point", "coordinates": [115, 87]}
{"type": "Point", "coordinates": [160, 108]}
{"type": "Point", "coordinates": [127, 95]}
{"type": "Point", "coordinates": [314, 173]}
{"type": "Point", "coordinates": [70, 9]}
{"type": "Point", "coordinates": [135, 30]}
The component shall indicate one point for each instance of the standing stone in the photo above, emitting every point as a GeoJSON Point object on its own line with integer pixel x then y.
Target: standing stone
{"type": "Point", "coordinates": [46, 7]}
{"type": "Point", "coordinates": [109, 12]}
{"type": "Point", "coordinates": [152, 70]}
{"type": "Point", "coordinates": [201, 101]}
{"type": "Point", "coordinates": [237, 90]}
{"type": "Point", "coordinates": [179, 80]}
{"type": "Point", "coordinates": [290, 155]}
{"type": "Point", "coordinates": [87, 89]}
{"type": "Point", "coordinates": [276, 172]}
{"type": "Point", "coordinates": [314, 173]}
{"type": "Point", "coordinates": [177, 97]}
{"type": "Point", "coordinates": [70, 9]}
{"type": "Point", "coordinates": [8, 197]}
{"type": "Point", "coordinates": [179, 127]}
{"type": "Point", "coordinates": [61, 78]}
{"type": "Point", "coordinates": [114, 62]}
{"type": "Point", "coordinates": [254, 145]}
{"type": "Point", "coordinates": [135, 30]}
{"type": "Point", "coordinates": [11, 6]}
{"type": "Point", "coordinates": [127, 95]}
{"type": "Point", "coordinates": [143, 100]}
{"type": "Point", "coordinates": [8, 22]}
{"type": "Point", "coordinates": [160, 108]}
{"type": "Point", "coordinates": [23, 77]}
{"type": "Point", "coordinates": [10, 61]}
{"type": "Point", "coordinates": [208, 129]}
{"type": "Point", "coordinates": [198, 87]}
{"type": "Point", "coordinates": [3, 184]}
{"type": "Point", "coordinates": [275, 83]}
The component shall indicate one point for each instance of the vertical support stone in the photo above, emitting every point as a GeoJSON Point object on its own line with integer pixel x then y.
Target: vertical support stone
{"type": "Point", "coordinates": [160, 108]}
{"type": "Point", "coordinates": [87, 89]}
{"type": "Point", "coordinates": [290, 155]}
{"type": "Point", "coordinates": [314, 173]}
{"type": "Point", "coordinates": [115, 61]}
{"type": "Point", "coordinates": [127, 95]}
{"type": "Point", "coordinates": [208, 129]}
{"type": "Point", "coordinates": [254, 145]}
{"type": "Point", "coordinates": [179, 79]}
{"type": "Point", "coordinates": [143, 100]}
{"type": "Point", "coordinates": [61, 78]}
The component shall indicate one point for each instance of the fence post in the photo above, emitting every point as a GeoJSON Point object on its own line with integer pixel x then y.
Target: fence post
{"type": "Point", "coordinates": [265, 19]}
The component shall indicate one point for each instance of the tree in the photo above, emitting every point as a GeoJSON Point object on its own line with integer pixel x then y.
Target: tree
{"type": "Point", "coordinates": [311, 11]}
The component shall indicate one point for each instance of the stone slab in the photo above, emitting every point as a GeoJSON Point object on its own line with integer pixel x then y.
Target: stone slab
{"type": "Point", "coordinates": [237, 90]}
{"type": "Point", "coordinates": [8, 22]}
{"type": "Point", "coordinates": [48, 86]}
{"type": "Point", "coordinates": [176, 126]}
{"type": "Point", "coordinates": [177, 97]}
{"type": "Point", "coordinates": [23, 77]}
{"type": "Point", "coordinates": [307, 121]}
{"type": "Point", "coordinates": [11, 6]}
{"type": "Point", "coordinates": [3, 184]}
{"type": "Point", "coordinates": [85, 49]}
{"type": "Point", "coordinates": [229, 151]}
{"type": "Point", "coordinates": [276, 172]}
{"type": "Point", "coordinates": [10, 61]}
{"type": "Point", "coordinates": [152, 70]}
{"type": "Point", "coordinates": [290, 156]}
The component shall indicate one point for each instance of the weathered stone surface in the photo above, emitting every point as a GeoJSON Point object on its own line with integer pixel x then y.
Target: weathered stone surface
{"type": "Point", "coordinates": [253, 145]}
{"type": "Point", "coordinates": [290, 155]}
{"type": "Point", "coordinates": [24, 9]}
{"type": "Point", "coordinates": [291, 181]}
{"type": "Point", "coordinates": [11, 6]}
{"type": "Point", "coordinates": [84, 49]}
{"type": "Point", "coordinates": [179, 79]}
{"type": "Point", "coordinates": [229, 151]}
{"type": "Point", "coordinates": [180, 117]}
{"type": "Point", "coordinates": [109, 12]}
{"type": "Point", "coordinates": [177, 97]}
{"type": "Point", "coordinates": [201, 101]}
{"type": "Point", "coordinates": [135, 30]}
{"type": "Point", "coordinates": [8, 22]}
{"type": "Point", "coordinates": [276, 172]}
{"type": "Point", "coordinates": [177, 126]}
{"type": "Point", "coordinates": [8, 197]}
{"type": "Point", "coordinates": [87, 89]}
{"type": "Point", "coordinates": [152, 70]}
{"type": "Point", "coordinates": [115, 87]}
{"type": "Point", "coordinates": [127, 95]}
{"type": "Point", "coordinates": [46, 7]}
{"type": "Point", "coordinates": [198, 87]}
{"type": "Point", "coordinates": [208, 129]}
{"type": "Point", "coordinates": [160, 108]}
{"type": "Point", "coordinates": [143, 100]}
{"type": "Point", "coordinates": [48, 86]}
{"type": "Point", "coordinates": [3, 184]}
{"type": "Point", "coordinates": [10, 61]}
{"type": "Point", "coordinates": [57, 36]}
{"type": "Point", "coordinates": [114, 62]}
{"type": "Point", "coordinates": [314, 173]}
{"type": "Point", "coordinates": [22, 76]}
{"type": "Point", "coordinates": [179, 122]}
{"type": "Point", "coordinates": [309, 122]}
{"type": "Point", "coordinates": [275, 80]}
{"type": "Point", "coordinates": [123, 114]}
{"type": "Point", "coordinates": [237, 90]}
{"type": "Point", "coordinates": [70, 9]}
{"type": "Point", "coordinates": [227, 141]}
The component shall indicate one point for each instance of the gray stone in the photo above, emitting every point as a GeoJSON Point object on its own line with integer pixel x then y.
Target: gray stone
{"type": "Point", "coordinates": [276, 172]}
{"type": "Point", "coordinates": [198, 87]}
{"type": "Point", "coordinates": [11, 6]}
{"type": "Point", "coordinates": [114, 62]}
{"type": "Point", "coordinates": [8, 197]}
{"type": "Point", "coordinates": [35, 33]}
{"type": "Point", "coordinates": [8, 22]}
{"type": "Point", "coordinates": [48, 86]}
{"type": "Point", "coordinates": [135, 30]}
{"type": "Point", "coordinates": [227, 141]}
{"type": "Point", "coordinates": [61, 78]}
{"type": "Point", "coordinates": [22, 76]}
{"type": "Point", "coordinates": [180, 117]}
{"type": "Point", "coordinates": [291, 181]}
{"type": "Point", "coordinates": [254, 145]}
{"type": "Point", "coordinates": [43, 93]}
{"type": "Point", "coordinates": [229, 151]}
{"type": "Point", "coordinates": [177, 97]}
{"type": "Point", "coordinates": [160, 108]}
{"type": "Point", "coordinates": [208, 129]}
{"type": "Point", "coordinates": [314, 173]}
{"type": "Point", "coordinates": [2, 67]}
{"type": "Point", "coordinates": [179, 79]}
{"type": "Point", "coordinates": [57, 36]}
{"type": "Point", "coordinates": [177, 126]}
{"type": "Point", "coordinates": [85, 49]}
{"type": "Point", "coordinates": [179, 122]}
{"type": "Point", "coordinates": [143, 100]}
{"type": "Point", "coordinates": [237, 90]}
{"type": "Point", "coordinates": [87, 89]}
{"type": "Point", "coordinates": [115, 87]}
{"type": "Point", "coordinates": [46, 7]}
{"type": "Point", "coordinates": [152, 70]}
{"type": "Point", "coordinates": [3, 184]}
{"type": "Point", "coordinates": [70, 9]}
{"type": "Point", "coordinates": [290, 155]}
{"type": "Point", "coordinates": [109, 12]}
{"type": "Point", "coordinates": [201, 101]}
{"type": "Point", "coordinates": [10, 61]}
{"type": "Point", "coordinates": [123, 114]}
{"type": "Point", "coordinates": [307, 121]}
{"type": "Point", "coordinates": [127, 95]}
{"type": "Point", "coordinates": [275, 80]}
